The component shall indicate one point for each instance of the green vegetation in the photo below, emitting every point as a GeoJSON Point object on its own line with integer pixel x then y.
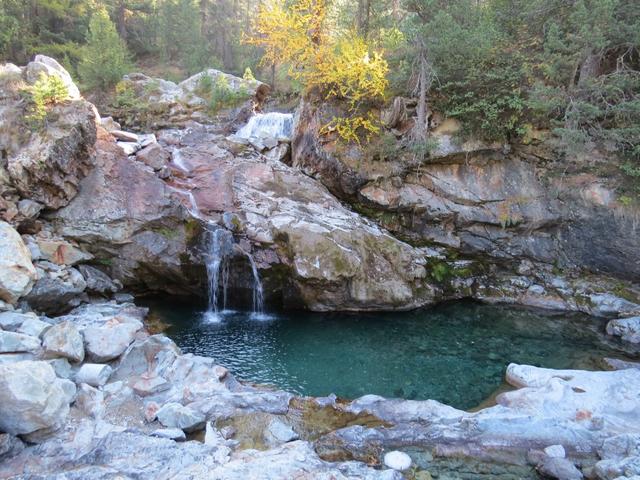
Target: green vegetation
{"type": "Point", "coordinates": [500, 66]}
{"type": "Point", "coordinates": [219, 93]}
{"type": "Point", "coordinates": [105, 58]}
{"type": "Point", "coordinates": [45, 92]}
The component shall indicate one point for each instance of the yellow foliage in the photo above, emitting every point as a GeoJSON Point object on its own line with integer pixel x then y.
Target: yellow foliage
{"type": "Point", "coordinates": [343, 67]}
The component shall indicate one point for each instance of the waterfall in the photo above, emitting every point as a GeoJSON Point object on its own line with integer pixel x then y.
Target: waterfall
{"type": "Point", "coordinates": [268, 125]}
{"type": "Point", "coordinates": [219, 246]}
{"type": "Point", "coordinates": [219, 249]}
{"type": "Point", "coordinates": [258, 294]}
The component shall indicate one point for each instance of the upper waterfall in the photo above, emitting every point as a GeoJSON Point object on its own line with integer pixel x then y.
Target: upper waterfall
{"type": "Point", "coordinates": [268, 125]}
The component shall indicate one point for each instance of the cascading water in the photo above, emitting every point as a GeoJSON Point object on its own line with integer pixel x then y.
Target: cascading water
{"type": "Point", "coordinates": [268, 125]}
{"type": "Point", "coordinates": [220, 248]}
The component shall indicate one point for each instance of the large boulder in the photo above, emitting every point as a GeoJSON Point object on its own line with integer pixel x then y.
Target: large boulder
{"type": "Point", "coordinates": [31, 398]}
{"type": "Point", "coordinates": [46, 164]}
{"type": "Point", "coordinates": [17, 274]}
{"type": "Point", "coordinates": [64, 340]}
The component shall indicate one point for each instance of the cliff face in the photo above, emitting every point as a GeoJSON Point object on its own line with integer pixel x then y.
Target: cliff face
{"type": "Point", "coordinates": [521, 225]}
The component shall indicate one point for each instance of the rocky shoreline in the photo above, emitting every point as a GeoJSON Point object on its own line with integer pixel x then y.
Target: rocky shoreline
{"type": "Point", "coordinates": [89, 211]}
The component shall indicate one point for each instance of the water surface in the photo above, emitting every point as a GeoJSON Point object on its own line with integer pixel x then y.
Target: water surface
{"type": "Point", "coordinates": [456, 353]}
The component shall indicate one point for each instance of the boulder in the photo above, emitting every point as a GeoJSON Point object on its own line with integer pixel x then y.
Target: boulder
{"type": "Point", "coordinates": [124, 136]}
{"type": "Point", "coordinates": [626, 328]}
{"type": "Point", "coordinates": [154, 156]}
{"type": "Point", "coordinates": [98, 281]}
{"type": "Point", "coordinates": [17, 274]}
{"type": "Point", "coordinates": [174, 415]}
{"type": "Point", "coordinates": [31, 398]}
{"type": "Point", "coordinates": [170, 433]}
{"type": "Point", "coordinates": [278, 432]}
{"type": "Point", "coordinates": [28, 208]}
{"type": "Point", "coordinates": [103, 344]}
{"type": "Point", "coordinates": [55, 294]}
{"type": "Point", "coordinates": [9, 446]}
{"type": "Point", "coordinates": [61, 252]}
{"type": "Point", "coordinates": [149, 385]}
{"type": "Point", "coordinates": [11, 342]}
{"type": "Point", "coordinates": [64, 340]}
{"type": "Point", "coordinates": [50, 67]}
{"type": "Point", "coordinates": [34, 327]}
{"type": "Point", "coordinates": [94, 374]}
{"type": "Point", "coordinates": [90, 400]}
{"type": "Point", "coordinates": [13, 320]}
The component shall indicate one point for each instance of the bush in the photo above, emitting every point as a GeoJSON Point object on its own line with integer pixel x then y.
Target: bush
{"type": "Point", "coordinates": [46, 91]}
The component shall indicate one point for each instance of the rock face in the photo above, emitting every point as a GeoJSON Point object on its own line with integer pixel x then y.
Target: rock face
{"type": "Point", "coordinates": [31, 398]}
{"type": "Point", "coordinates": [510, 208]}
{"type": "Point", "coordinates": [46, 165]}
{"type": "Point", "coordinates": [17, 274]}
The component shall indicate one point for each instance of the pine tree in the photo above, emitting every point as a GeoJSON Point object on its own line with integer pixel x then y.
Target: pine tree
{"type": "Point", "coordinates": [105, 57]}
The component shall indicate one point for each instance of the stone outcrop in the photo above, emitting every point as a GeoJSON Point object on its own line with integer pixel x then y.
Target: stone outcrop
{"type": "Point", "coordinates": [44, 164]}
{"type": "Point", "coordinates": [509, 223]}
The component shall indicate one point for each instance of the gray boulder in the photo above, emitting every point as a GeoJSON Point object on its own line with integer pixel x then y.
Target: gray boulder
{"type": "Point", "coordinates": [17, 274]}
{"type": "Point", "coordinates": [626, 328]}
{"type": "Point", "coordinates": [97, 281]}
{"type": "Point", "coordinates": [34, 327]}
{"type": "Point", "coordinates": [174, 415]}
{"type": "Point", "coordinates": [13, 320]}
{"type": "Point", "coordinates": [107, 343]}
{"type": "Point", "coordinates": [31, 398]}
{"type": "Point", "coordinates": [64, 340]}
{"type": "Point", "coordinates": [11, 342]}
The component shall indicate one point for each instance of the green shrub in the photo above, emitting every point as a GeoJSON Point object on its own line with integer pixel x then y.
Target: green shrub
{"type": "Point", "coordinates": [46, 91]}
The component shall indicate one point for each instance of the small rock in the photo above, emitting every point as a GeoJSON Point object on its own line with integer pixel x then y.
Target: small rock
{"type": "Point", "coordinates": [107, 343]}
{"type": "Point", "coordinates": [149, 385]}
{"type": "Point", "coordinates": [125, 136]}
{"type": "Point", "coordinates": [559, 468]}
{"type": "Point", "coordinates": [11, 321]}
{"type": "Point", "coordinates": [151, 411]}
{"type": "Point", "coordinates": [170, 433]}
{"type": "Point", "coordinates": [555, 451]}
{"type": "Point", "coordinates": [97, 281]}
{"type": "Point", "coordinates": [129, 148]}
{"type": "Point", "coordinates": [90, 400]}
{"type": "Point", "coordinates": [109, 124]}
{"type": "Point", "coordinates": [62, 367]}
{"type": "Point", "coordinates": [11, 342]}
{"type": "Point", "coordinates": [34, 327]}
{"type": "Point", "coordinates": [279, 432]}
{"type": "Point", "coordinates": [154, 156]}
{"type": "Point", "coordinates": [29, 208]}
{"type": "Point", "coordinates": [94, 374]}
{"type": "Point", "coordinates": [64, 340]}
{"type": "Point", "coordinates": [174, 415]}
{"type": "Point", "coordinates": [147, 139]}
{"type": "Point", "coordinates": [397, 460]}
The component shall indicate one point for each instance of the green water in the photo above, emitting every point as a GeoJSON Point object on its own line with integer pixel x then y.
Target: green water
{"type": "Point", "coordinates": [455, 353]}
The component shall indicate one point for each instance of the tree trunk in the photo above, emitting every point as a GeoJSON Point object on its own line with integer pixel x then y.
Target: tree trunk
{"type": "Point", "coordinates": [589, 69]}
{"type": "Point", "coordinates": [121, 18]}
{"type": "Point", "coordinates": [422, 128]}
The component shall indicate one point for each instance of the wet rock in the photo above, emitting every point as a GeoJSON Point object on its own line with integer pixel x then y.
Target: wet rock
{"type": "Point", "coordinates": [11, 342]}
{"type": "Point", "coordinates": [626, 328]}
{"type": "Point", "coordinates": [94, 374]}
{"type": "Point", "coordinates": [559, 468]}
{"type": "Point", "coordinates": [107, 343]}
{"type": "Point", "coordinates": [174, 415]}
{"type": "Point", "coordinates": [17, 274]}
{"type": "Point", "coordinates": [31, 398]}
{"type": "Point", "coordinates": [64, 340]}
{"type": "Point", "coordinates": [397, 460]}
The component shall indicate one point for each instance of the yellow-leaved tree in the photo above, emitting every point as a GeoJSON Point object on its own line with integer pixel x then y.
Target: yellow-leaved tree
{"type": "Point", "coordinates": [343, 66]}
